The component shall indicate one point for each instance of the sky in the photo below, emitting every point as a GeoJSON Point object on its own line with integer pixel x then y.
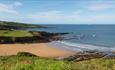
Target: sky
{"type": "Point", "coordinates": [58, 11]}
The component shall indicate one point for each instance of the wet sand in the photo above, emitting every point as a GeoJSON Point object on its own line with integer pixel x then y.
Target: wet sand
{"type": "Point", "coordinates": [41, 49]}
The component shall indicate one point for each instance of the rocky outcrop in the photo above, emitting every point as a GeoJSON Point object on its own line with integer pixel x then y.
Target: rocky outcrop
{"type": "Point", "coordinates": [81, 56]}
{"type": "Point", "coordinates": [26, 54]}
{"type": "Point", "coordinates": [87, 55]}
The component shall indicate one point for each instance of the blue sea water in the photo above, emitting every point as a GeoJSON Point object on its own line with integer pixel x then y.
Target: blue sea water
{"type": "Point", "coordinates": [84, 37]}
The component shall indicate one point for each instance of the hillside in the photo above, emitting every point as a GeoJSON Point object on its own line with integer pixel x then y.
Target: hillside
{"type": "Point", "coordinates": [5, 25]}
{"type": "Point", "coordinates": [14, 32]}
{"type": "Point", "coordinates": [26, 61]}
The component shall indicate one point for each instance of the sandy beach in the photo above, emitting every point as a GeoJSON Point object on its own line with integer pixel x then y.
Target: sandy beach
{"type": "Point", "coordinates": [41, 49]}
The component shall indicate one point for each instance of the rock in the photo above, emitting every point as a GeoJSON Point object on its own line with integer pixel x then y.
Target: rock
{"type": "Point", "coordinates": [110, 56]}
{"type": "Point", "coordinates": [25, 54]}
{"type": "Point", "coordinates": [85, 56]}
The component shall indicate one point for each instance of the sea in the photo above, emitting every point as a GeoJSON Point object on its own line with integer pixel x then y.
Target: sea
{"type": "Point", "coordinates": [83, 37]}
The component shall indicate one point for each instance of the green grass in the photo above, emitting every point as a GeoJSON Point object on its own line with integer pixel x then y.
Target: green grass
{"type": "Point", "coordinates": [31, 63]}
{"type": "Point", "coordinates": [15, 33]}
{"type": "Point", "coordinates": [38, 63]}
{"type": "Point", "coordinates": [18, 24]}
{"type": "Point", "coordinates": [94, 64]}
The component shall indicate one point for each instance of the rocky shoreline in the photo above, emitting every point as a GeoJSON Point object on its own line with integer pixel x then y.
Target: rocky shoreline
{"type": "Point", "coordinates": [87, 55]}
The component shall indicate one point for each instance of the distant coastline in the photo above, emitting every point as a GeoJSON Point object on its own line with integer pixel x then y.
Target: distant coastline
{"type": "Point", "coordinates": [14, 38]}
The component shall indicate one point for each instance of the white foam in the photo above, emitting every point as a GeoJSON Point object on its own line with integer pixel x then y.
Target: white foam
{"type": "Point", "coordinates": [76, 46]}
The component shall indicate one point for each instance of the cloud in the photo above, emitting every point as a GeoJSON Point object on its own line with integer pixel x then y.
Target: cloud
{"type": "Point", "coordinates": [48, 14]}
{"type": "Point", "coordinates": [6, 8]}
{"type": "Point", "coordinates": [9, 8]}
{"type": "Point", "coordinates": [55, 16]}
{"type": "Point", "coordinates": [60, 16]}
{"type": "Point", "coordinates": [17, 3]}
{"type": "Point", "coordinates": [99, 6]}
{"type": "Point", "coordinates": [85, 13]}
{"type": "Point", "coordinates": [78, 12]}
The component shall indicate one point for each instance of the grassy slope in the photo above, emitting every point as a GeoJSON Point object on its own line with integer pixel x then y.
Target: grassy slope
{"type": "Point", "coordinates": [38, 63]}
{"type": "Point", "coordinates": [94, 64]}
{"type": "Point", "coordinates": [15, 33]}
{"type": "Point", "coordinates": [17, 24]}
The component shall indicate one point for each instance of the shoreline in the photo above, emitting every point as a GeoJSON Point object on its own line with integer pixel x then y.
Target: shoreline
{"type": "Point", "coordinates": [79, 47]}
{"type": "Point", "coordinates": [39, 49]}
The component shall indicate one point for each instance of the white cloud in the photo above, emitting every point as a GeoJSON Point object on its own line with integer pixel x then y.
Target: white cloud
{"type": "Point", "coordinates": [6, 8]}
{"type": "Point", "coordinates": [83, 15]}
{"type": "Point", "coordinates": [99, 6]}
{"type": "Point", "coordinates": [59, 16]}
{"type": "Point", "coordinates": [55, 16]}
{"type": "Point", "coordinates": [9, 8]}
{"type": "Point", "coordinates": [48, 14]}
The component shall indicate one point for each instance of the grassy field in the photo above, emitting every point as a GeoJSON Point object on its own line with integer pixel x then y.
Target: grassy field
{"type": "Point", "coordinates": [38, 63]}
{"type": "Point", "coordinates": [15, 33]}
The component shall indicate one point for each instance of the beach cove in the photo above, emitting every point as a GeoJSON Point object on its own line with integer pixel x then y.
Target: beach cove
{"type": "Point", "coordinates": [39, 49]}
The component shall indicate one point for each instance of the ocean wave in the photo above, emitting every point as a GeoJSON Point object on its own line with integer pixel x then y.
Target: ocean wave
{"type": "Point", "coordinates": [76, 46]}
